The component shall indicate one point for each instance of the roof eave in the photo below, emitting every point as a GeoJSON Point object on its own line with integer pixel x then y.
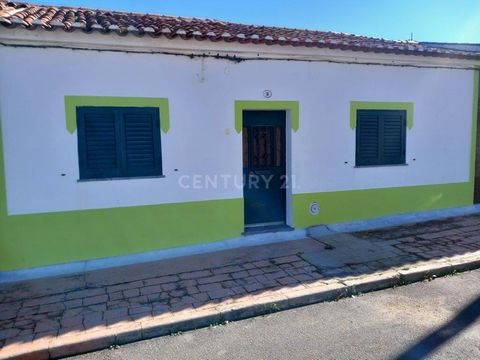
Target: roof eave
{"type": "Point", "coordinates": [167, 43]}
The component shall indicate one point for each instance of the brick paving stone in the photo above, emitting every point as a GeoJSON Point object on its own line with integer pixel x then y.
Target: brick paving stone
{"type": "Point", "coordinates": [84, 293]}
{"type": "Point", "coordinates": [169, 286]}
{"type": "Point", "coordinates": [21, 323]}
{"type": "Point", "coordinates": [229, 284]}
{"type": "Point", "coordinates": [98, 307]}
{"type": "Point", "coordinates": [28, 311]}
{"type": "Point", "coordinates": [192, 290]}
{"type": "Point", "coordinates": [49, 334]}
{"type": "Point", "coordinates": [238, 290]}
{"type": "Point", "coordinates": [51, 308]}
{"type": "Point", "coordinates": [151, 289]}
{"type": "Point", "coordinates": [262, 263]}
{"type": "Point", "coordinates": [153, 297]}
{"type": "Point", "coordinates": [71, 320]}
{"type": "Point", "coordinates": [254, 272]}
{"type": "Point", "coordinates": [250, 288]}
{"type": "Point", "coordinates": [160, 308]}
{"type": "Point", "coordinates": [8, 333]}
{"type": "Point", "coordinates": [131, 293]}
{"type": "Point", "coordinates": [227, 269]}
{"type": "Point", "coordinates": [287, 259]}
{"type": "Point", "coordinates": [19, 339]}
{"type": "Point", "coordinates": [117, 304]}
{"type": "Point", "coordinates": [276, 275]}
{"type": "Point", "coordinates": [43, 301]}
{"type": "Point", "coordinates": [72, 303]}
{"type": "Point", "coordinates": [161, 280]}
{"type": "Point", "coordinates": [271, 268]}
{"type": "Point", "coordinates": [115, 313]}
{"type": "Point", "coordinates": [177, 293]}
{"type": "Point", "coordinates": [239, 274]}
{"type": "Point", "coordinates": [209, 287]}
{"type": "Point", "coordinates": [220, 294]}
{"type": "Point", "coordinates": [140, 309]}
{"type": "Point", "coordinates": [73, 329]}
{"type": "Point", "coordinates": [72, 312]}
{"type": "Point", "coordinates": [302, 278]}
{"type": "Point", "coordinates": [187, 283]}
{"type": "Point", "coordinates": [214, 279]}
{"type": "Point", "coordinates": [6, 315]}
{"type": "Point", "coordinates": [95, 300]}
{"type": "Point", "coordinates": [287, 280]}
{"type": "Point", "coordinates": [201, 297]}
{"type": "Point", "coordinates": [118, 295]}
{"type": "Point", "coordinates": [138, 300]}
{"type": "Point", "coordinates": [125, 286]}
{"type": "Point", "coordinates": [195, 274]}
{"type": "Point", "coordinates": [46, 325]}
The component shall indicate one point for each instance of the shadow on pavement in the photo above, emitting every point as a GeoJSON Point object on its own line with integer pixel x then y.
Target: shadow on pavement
{"type": "Point", "coordinates": [465, 318]}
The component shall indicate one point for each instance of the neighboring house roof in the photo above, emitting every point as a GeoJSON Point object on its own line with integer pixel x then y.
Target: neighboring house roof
{"type": "Point", "coordinates": [122, 23]}
{"type": "Point", "coordinates": [467, 47]}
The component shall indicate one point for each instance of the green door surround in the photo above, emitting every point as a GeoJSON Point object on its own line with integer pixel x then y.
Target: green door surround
{"type": "Point", "coordinates": [52, 238]}
{"type": "Point", "coordinates": [73, 101]}
{"type": "Point", "coordinates": [293, 107]}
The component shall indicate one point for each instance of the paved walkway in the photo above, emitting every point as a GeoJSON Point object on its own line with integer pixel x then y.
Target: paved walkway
{"type": "Point", "coordinates": [47, 318]}
{"type": "Point", "coordinates": [434, 320]}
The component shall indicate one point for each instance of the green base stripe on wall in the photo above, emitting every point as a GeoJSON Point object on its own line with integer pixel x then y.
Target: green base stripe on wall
{"type": "Point", "coordinates": [351, 205]}
{"type": "Point", "coordinates": [53, 238]}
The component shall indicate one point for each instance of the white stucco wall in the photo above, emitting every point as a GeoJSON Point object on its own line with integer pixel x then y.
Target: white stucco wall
{"type": "Point", "coordinates": [202, 138]}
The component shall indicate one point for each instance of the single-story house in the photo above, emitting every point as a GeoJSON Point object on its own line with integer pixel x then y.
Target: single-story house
{"type": "Point", "coordinates": [125, 133]}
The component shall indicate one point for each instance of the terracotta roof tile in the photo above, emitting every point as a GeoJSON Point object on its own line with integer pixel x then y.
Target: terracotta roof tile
{"type": "Point", "coordinates": [122, 23]}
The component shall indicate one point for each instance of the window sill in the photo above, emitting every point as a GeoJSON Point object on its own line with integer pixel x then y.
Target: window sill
{"type": "Point", "coordinates": [122, 178]}
{"type": "Point", "coordinates": [377, 166]}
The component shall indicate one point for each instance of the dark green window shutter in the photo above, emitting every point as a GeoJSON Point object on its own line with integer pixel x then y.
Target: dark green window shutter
{"type": "Point", "coordinates": [381, 137]}
{"type": "Point", "coordinates": [368, 132]}
{"type": "Point", "coordinates": [98, 143]}
{"type": "Point", "coordinates": [394, 134]}
{"type": "Point", "coordinates": [118, 142]}
{"type": "Point", "coordinates": [142, 142]}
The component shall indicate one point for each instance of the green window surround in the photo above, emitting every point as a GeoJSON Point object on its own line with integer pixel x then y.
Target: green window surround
{"type": "Point", "coordinates": [376, 105]}
{"type": "Point", "coordinates": [241, 105]}
{"type": "Point", "coordinates": [72, 102]}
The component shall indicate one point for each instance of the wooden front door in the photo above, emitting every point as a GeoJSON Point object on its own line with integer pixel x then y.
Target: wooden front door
{"type": "Point", "coordinates": [264, 167]}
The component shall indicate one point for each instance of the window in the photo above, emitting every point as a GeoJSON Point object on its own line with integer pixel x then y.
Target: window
{"type": "Point", "coordinates": [380, 137]}
{"type": "Point", "coordinates": [116, 142]}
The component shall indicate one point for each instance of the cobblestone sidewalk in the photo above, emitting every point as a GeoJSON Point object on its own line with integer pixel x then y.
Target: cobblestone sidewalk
{"type": "Point", "coordinates": [71, 314]}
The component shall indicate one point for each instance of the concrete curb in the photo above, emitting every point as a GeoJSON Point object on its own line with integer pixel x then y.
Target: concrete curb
{"type": "Point", "coordinates": [231, 310]}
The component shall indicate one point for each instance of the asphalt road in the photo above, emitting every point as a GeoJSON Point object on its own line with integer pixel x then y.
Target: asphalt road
{"type": "Point", "coordinates": [439, 319]}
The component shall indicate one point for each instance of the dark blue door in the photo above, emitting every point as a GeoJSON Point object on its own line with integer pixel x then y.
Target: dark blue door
{"type": "Point", "coordinates": [264, 167]}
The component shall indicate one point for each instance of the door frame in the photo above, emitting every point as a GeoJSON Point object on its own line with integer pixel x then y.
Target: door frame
{"type": "Point", "coordinates": [291, 109]}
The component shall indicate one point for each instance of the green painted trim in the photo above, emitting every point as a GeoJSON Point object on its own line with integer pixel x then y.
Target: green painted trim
{"type": "Point", "coordinates": [376, 105]}
{"type": "Point", "coordinates": [61, 237]}
{"type": "Point", "coordinates": [71, 102]}
{"type": "Point", "coordinates": [241, 105]}
{"type": "Point", "coordinates": [473, 150]}
{"type": "Point", "coordinates": [352, 205]}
